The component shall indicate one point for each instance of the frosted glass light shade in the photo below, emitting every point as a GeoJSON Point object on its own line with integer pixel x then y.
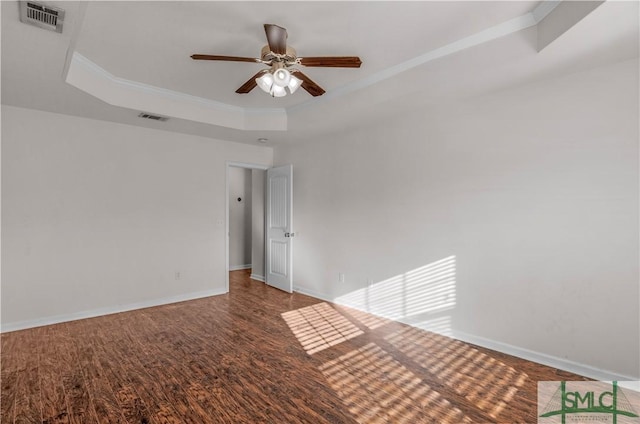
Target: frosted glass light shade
{"type": "Point", "coordinates": [265, 82]}
{"type": "Point", "coordinates": [281, 77]}
{"type": "Point", "coordinates": [277, 91]}
{"type": "Point", "coordinates": [294, 84]}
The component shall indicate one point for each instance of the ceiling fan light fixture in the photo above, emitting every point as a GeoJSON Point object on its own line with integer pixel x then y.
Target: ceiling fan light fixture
{"type": "Point", "coordinates": [265, 82]}
{"type": "Point", "coordinates": [276, 82]}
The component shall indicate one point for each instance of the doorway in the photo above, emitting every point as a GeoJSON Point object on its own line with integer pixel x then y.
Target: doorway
{"type": "Point", "coordinates": [271, 253]}
{"type": "Point", "coordinates": [245, 219]}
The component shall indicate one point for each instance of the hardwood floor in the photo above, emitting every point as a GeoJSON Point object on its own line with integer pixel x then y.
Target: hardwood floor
{"type": "Point", "coordinates": [258, 355]}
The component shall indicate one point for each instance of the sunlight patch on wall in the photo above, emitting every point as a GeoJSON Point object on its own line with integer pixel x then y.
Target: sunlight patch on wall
{"type": "Point", "coordinates": [320, 326]}
{"type": "Point", "coordinates": [483, 380]}
{"type": "Point", "coordinates": [378, 389]}
{"type": "Point", "coordinates": [418, 294]}
{"type": "Point", "coordinates": [440, 325]}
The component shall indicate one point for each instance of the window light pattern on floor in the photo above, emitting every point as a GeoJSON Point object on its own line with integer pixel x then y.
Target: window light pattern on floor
{"type": "Point", "coordinates": [486, 382]}
{"type": "Point", "coordinates": [378, 389]}
{"type": "Point", "coordinates": [371, 321]}
{"type": "Point", "coordinates": [320, 326]}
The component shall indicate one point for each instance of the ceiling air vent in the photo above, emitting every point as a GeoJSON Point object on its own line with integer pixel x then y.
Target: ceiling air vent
{"type": "Point", "coordinates": [37, 14]}
{"type": "Point", "coordinates": [152, 117]}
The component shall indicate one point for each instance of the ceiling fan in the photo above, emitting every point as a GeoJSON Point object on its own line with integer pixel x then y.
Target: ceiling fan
{"type": "Point", "coordinates": [280, 58]}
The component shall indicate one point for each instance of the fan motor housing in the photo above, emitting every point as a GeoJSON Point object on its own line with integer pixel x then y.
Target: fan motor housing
{"type": "Point", "coordinates": [289, 57]}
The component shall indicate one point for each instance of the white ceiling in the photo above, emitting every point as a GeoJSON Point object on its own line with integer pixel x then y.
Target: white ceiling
{"type": "Point", "coordinates": [149, 43]}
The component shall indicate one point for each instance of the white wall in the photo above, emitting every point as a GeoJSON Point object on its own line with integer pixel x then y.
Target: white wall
{"type": "Point", "coordinates": [240, 218]}
{"type": "Point", "coordinates": [531, 194]}
{"type": "Point", "coordinates": [257, 224]}
{"type": "Point", "coordinates": [98, 216]}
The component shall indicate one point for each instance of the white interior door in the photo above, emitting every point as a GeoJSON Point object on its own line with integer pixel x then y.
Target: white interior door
{"type": "Point", "coordinates": [279, 235]}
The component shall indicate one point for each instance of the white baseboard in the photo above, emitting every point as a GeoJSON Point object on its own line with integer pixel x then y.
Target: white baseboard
{"type": "Point", "coordinates": [542, 358]}
{"type": "Point", "coordinates": [317, 295]}
{"type": "Point", "coordinates": [530, 355]}
{"type": "Point", "coordinates": [239, 267]}
{"type": "Point", "coordinates": [21, 325]}
{"type": "Point", "coordinates": [257, 277]}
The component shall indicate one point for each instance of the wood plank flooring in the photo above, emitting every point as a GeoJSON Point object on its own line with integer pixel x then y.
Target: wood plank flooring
{"type": "Point", "coordinates": [258, 355]}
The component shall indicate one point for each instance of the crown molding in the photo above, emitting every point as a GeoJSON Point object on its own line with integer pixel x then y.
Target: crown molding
{"type": "Point", "coordinates": [497, 31]}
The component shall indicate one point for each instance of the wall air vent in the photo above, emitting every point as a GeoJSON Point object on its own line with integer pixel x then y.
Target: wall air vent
{"type": "Point", "coordinates": [37, 14]}
{"type": "Point", "coordinates": [152, 117]}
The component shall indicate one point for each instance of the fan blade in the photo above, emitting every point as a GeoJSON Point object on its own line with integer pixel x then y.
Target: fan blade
{"type": "Point", "coordinates": [312, 88]}
{"type": "Point", "coordinates": [276, 38]}
{"type": "Point", "coordinates": [225, 58]}
{"type": "Point", "coordinates": [332, 61]}
{"type": "Point", "coordinates": [250, 84]}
